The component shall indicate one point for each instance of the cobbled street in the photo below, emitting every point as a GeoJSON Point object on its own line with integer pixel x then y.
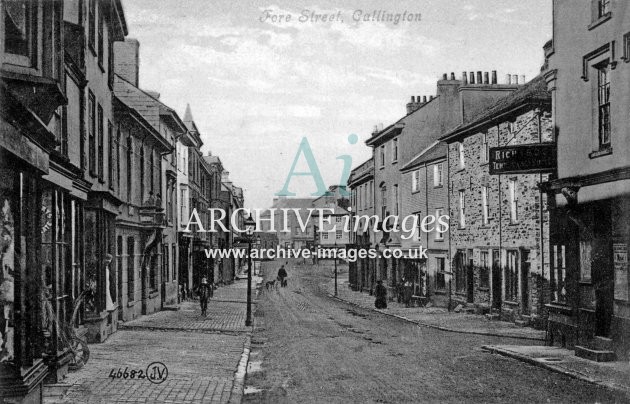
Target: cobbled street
{"type": "Point", "coordinates": [308, 347]}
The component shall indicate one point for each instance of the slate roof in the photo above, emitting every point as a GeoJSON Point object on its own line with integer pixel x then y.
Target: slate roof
{"type": "Point", "coordinates": [435, 151]}
{"type": "Point", "coordinates": [534, 92]}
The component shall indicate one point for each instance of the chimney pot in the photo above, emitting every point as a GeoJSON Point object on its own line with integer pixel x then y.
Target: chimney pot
{"type": "Point", "coordinates": [479, 78]}
{"type": "Point", "coordinates": [464, 78]}
{"type": "Point", "coordinates": [444, 76]}
{"type": "Point", "coordinates": [486, 78]}
{"type": "Point", "coordinates": [494, 77]}
{"type": "Point", "coordinates": [424, 98]}
{"type": "Point", "coordinates": [430, 98]}
{"type": "Point", "coordinates": [472, 78]}
{"type": "Point", "coordinates": [508, 79]}
{"type": "Point", "coordinates": [452, 76]}
{"type": "Point", "coordinates": [515, 79]}
{"type": "Point", "coordinates": [522, 79]}
{"type": "Point", "coordinates": [413, 99]}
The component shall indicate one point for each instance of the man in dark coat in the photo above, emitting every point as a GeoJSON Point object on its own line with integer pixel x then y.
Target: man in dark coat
{"type": "Point", "coordinates": [204, 291]}
{"type": "Point", "coordinates": [381, 295]}
{"type": "Point", "coordinates": [282, 274]}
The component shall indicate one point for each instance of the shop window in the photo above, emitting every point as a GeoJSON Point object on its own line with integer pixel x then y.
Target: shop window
{"type": "Point", "coordinates": [511, 276]}
{"type": "Point", "coordinates": [131, 270]}
{"type": "Point", "coordinates": [440, 273]}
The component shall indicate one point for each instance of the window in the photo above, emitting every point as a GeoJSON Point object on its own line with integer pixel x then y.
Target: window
{"type": "Point", "coordinates": [130, 169]}
{"type": "Point", "coordinates": [174, 257]}
{"type": "Point", "coordinates": [166, 261]}
{"type": "Point", "coordinates": [485, 150]}
{"type": "Point", "coordinates": [484, 205]}
{"type": "Point", "coordinates": [20, 30]}
{"type": "Point", "coordinates": [110, 60]}
{"type": "Point", "coordinates": [437, 175]}
{"type": "Point", "coordinates": [414, 180]}
{"type": "Point", "coordinates": [603, 101]}
{"type": "Point", "coordinates": [169, 203]}
{"type": "Point", "coordinates": [383, 202]}
{"type": "Point", "coordinates": [338, 219]}
{"type": "Point", "coordinates": [131, 271]}
{"type": "Point", "coordinates": [100, 143]}
{"type": "Point", "coordinates": [484, 269]}
{"type": "Point", "coordinates": [182, 204]}
{"type": "Point", "coordinates": [559, 274]}
{"type": "Point", "coordinates": [118, 146]}
{"type": "Point", "coordinates": [395, 201]}
{"type": "Point", "coordinates": [338, 234]}
{"type": "Point", "coordinates": [91, 22]}
{"type": "Point", "coordinates": [462, 209]}
{"type": "Point", "coordinates": [460, 272]}
{"type": "Point", "coordinates": [626, 47]}
{"type": "Point", "coordinates": [439, 228]}
{"type": "Point", "coordinates": [324, 236]}
{"type": "Point", "coordinates": [511, 277]}
{"type": "Point", "coordinates": [92, 132]}
{"type": "Point", "coordinates": [513, 201]}
{"type": "Point", "coordinates": [64, 130]}
{"type": "Point", "coordinates": [395, 150]}
{"type": "Point", "coordinates": [440, 276]}
{"type": "Point", "coordinates": [383, 156]}
{"type": "Point", "coordinates": [101, 44]}
{"type": "Point", "coordinates": [460, 150]}
{"type": "Point", "coordinates": [151, 172]}
{"type": "Point", "coordinates": [142, 174]}
{"type": "Point", "coordinates": [603, 7]}
{"type": "Point", "coordinates": [110, 155]}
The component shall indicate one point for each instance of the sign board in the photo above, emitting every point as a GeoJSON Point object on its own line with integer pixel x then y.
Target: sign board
{"type": "Point", "coordinates": [620, 260]}
{"type": "Point", "coordinates": [528, 158]}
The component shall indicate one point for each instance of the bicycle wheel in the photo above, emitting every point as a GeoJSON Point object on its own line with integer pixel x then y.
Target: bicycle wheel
{"type": "Point", "coordinates": [81, 353]}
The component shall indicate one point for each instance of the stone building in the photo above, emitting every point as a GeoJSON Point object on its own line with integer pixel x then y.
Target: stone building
{"type": "Point", "coordinates": [499, 224]}
{"type": "Point", "coordinates": [588, 74]}
{"type": "Point", "coordinates": [399, 143]}
{"type": "Point", "coordinates": [361, 184]}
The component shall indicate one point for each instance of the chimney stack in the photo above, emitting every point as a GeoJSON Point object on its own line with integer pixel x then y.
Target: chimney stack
{"type": "Point", "coordinates": [424, 98]}
{"type": "Point", "coordinates": [522, 79]}
{"type": "Point", "coordinates": [486, 78]}
{"type": "Point", "coordinates": [464, 78]}
{"type": "Point", "coordinates": [127, 59]}
{"type": "Point", "coordinates": [508, 79]}
{"type": "Point", "coordinates": [430, 98]}
{"type": "Point", "coordinates": [444, 77]}
{"type": "Point", "coordinates": [479, 78]}
{"type": "Point", "coordinates": [472, 78]}
{"type": "Point", "coordinates": [494, 77]}
{"type": "Point", "coordinates": [452, 76]}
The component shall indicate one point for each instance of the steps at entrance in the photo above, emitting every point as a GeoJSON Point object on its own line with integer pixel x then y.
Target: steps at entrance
{"type": "Point", "coordinates": [524, 321]}
{"type": "Point", "coordinates": [602, 344]}
{"type": "Point", "coordinates": [594, 354]}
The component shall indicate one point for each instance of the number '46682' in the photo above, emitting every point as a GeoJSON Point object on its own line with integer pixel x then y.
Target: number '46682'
{"type": "Point", "coordinates": [127, 374]}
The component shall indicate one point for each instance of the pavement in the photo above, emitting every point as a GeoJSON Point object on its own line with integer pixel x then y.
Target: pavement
{"type": "Point", "coordinates": [205, 357]}
{"type": "Point", "coordinates": [436, 317]}
{"type": "Point", "coordinates": [309, 348]}
{"type": "Point", "coordinates": [612, 375]}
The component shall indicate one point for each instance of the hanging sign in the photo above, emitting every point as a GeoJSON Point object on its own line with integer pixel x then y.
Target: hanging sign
{"type": "Point", "coordinates": [527, 158]}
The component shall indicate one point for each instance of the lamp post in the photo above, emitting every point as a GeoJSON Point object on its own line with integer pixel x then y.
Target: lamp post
{"type": "Point", "coordinates": [249, 234]}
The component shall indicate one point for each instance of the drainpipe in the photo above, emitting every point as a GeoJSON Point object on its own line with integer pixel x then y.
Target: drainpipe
{"type": "Point", "coordinates": [500, 234]}
{"type": "Point", "coordinates": [542, 239]}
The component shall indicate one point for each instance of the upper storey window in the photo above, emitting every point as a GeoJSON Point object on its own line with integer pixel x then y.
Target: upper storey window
{"type": "Point", "coordinates": [20, 31]}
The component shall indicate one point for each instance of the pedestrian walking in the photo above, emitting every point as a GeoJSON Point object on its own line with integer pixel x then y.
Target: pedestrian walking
{"type": "Point", "coordinates": [204, 291]}
{"type": "Point", "coordinates": [282, 275]}
{"type": "Point", "coordinates": [381, 295]}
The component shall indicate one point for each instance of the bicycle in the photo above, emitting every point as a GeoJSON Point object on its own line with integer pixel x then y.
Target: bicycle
{"type": "Point", "coordinates": [66, 332]}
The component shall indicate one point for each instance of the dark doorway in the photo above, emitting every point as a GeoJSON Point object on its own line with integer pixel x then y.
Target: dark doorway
{"type": "Point", "coordinates": [603, 280]}
{"type": "Point", "coordinates": [496, 279]}
{"type": "Point", "coordinates": [525, 266]}
{"type": "Point", "coordinates": [470, 278]}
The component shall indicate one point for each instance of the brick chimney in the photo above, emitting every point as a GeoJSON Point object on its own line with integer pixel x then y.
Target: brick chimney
{"type": "Point", "coordinates": [127, 59]}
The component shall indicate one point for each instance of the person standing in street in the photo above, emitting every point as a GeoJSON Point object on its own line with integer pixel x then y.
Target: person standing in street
{"type": "Point", "coordinates": [381, 295]}
{"type": "Point", "coordinates": [282, 275]}
{"type": "Point", "coordinates": [205, 292]}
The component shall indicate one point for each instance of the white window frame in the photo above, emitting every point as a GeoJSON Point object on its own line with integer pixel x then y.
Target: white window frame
{"type": "Point", "coordinates": [395, 196]}
{"type": "Point", "coordinates": [383, 155]}
{"type": "Point", "coordinates": [462, 158]}
{"type": "Point", "coordinates": [485, 151]}
{"type": "Point", "coordinates": [462, 209]}
{"type": "Point", "coordinates": [414, 180]}
{"type": "Point", "coordinates": [438, 176]}
{"type": "Point", "coordinates": [394, 150]}
{"type": "Point", "coordinates": [513, 201]}
{"type": "Point", "coordinates": [484, 205]}
{"type": "Point", "coordinates": [438, 236]}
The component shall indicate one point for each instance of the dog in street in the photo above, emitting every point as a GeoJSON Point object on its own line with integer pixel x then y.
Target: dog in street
{"type": "Point", "coordinates": [271, 284]}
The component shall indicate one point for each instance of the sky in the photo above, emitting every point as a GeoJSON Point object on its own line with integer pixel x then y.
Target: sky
{"type": "Point", "coordinates": [258, 84]}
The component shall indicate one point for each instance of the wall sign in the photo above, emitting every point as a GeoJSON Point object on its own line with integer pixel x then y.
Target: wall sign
{"type": "Point", "coordinates": [528, 158]}
{"type": "Point", "coordinates": [620, 260]}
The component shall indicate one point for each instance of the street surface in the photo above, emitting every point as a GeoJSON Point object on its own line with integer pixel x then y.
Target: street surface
{"type": "Point", "coordinates": [308, 347]}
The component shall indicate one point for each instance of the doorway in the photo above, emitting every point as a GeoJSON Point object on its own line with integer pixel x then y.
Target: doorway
{"type": "Point", "coordinates": [496, 279]}
{"type": "Point", "coordinates": [525, 267]}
